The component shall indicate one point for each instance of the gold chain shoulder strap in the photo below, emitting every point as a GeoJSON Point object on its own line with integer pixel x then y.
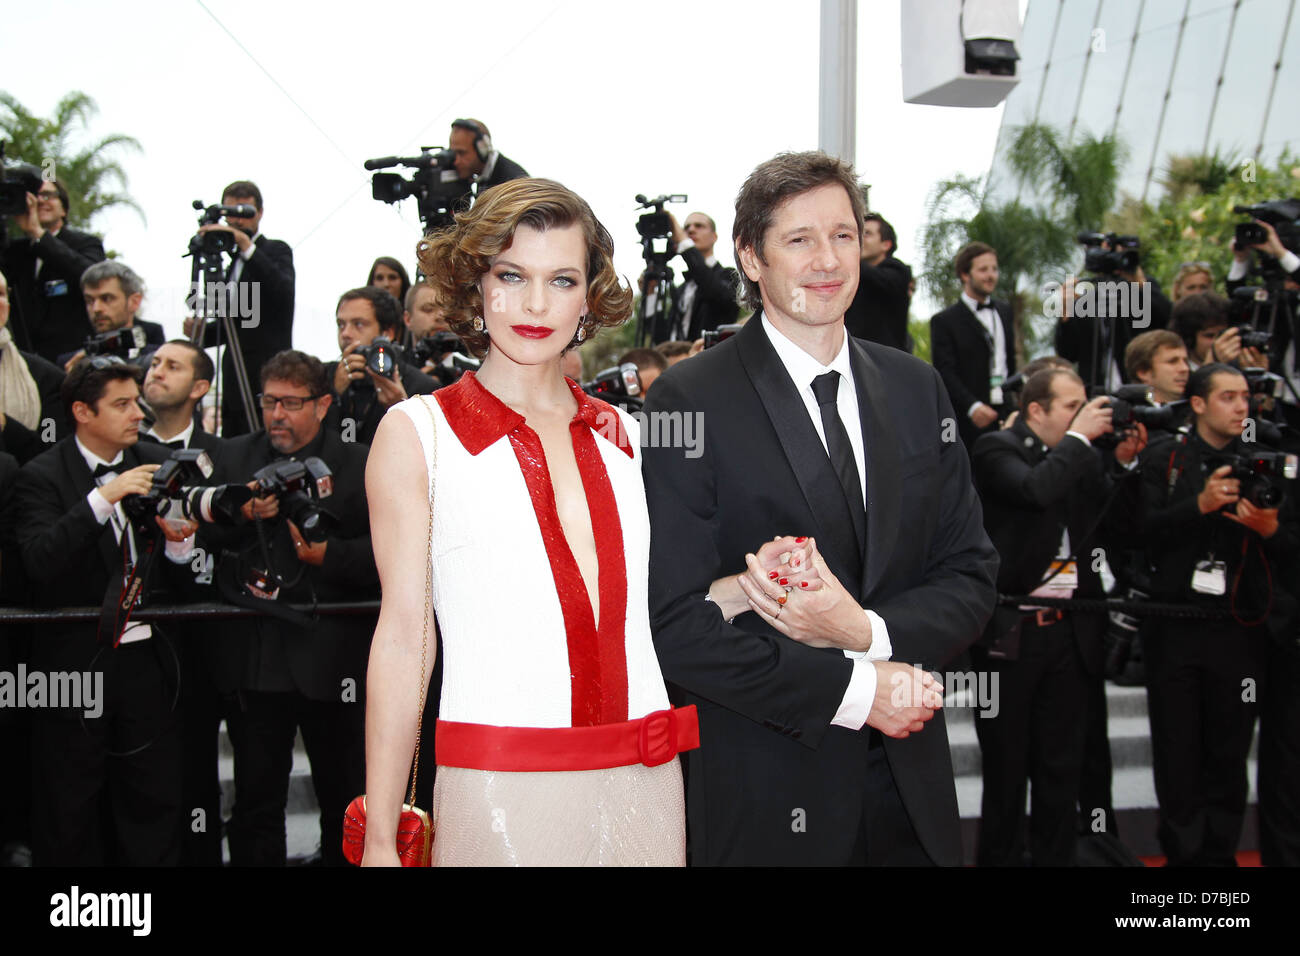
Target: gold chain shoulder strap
{"type": "Point", "coordinates": [427, 402]}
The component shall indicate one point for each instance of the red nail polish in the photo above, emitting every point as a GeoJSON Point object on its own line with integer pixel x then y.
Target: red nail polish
{"type": "Point", "coordinates": [783, 582]}
{"type": "Point", "coordinates": [800, 540]}
{"type": "Point", "coordinates": [803, 584]}
{"type": "Point", "coordinates": [796, 562]}
{"type": "Point", "coordinates": [771, 575]}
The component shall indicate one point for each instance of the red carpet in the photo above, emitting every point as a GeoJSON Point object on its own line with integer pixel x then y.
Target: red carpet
{"type": "Point", "coordinates": [1244, 858]}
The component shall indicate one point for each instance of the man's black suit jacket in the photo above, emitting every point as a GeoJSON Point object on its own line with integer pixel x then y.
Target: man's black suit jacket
{"type": "Point", "coordinates": [69, 557]}
{"type": "Point", "coordinates": [1031, 494]}
{"type": "Point", "coordinates": [715, 302]}
{"type": "Point", "coordinates": [959, 349]}
{"type": "Point", "coordinates": [269, 331]}
{"type": "Point", "coordinates": [50, 325]}
{"type": "Point", "coordinates": [26, 443]}
{"type": "Point", "coordinates": [505, 170]}
{"type": "Point", "coordinates": [878, 312]}
{"type": "Point", "coordinates": [1074, 339]}
{"type": "Point", "coordinates": [766, 702]}
{"type": "Point", "coordinates": [335, 648]}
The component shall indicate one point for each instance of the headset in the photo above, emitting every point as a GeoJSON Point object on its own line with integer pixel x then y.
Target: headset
{"type": "Point", "coordinates": [482, 139]}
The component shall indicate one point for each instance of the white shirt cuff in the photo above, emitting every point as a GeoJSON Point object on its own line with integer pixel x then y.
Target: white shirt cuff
{"type": "Point", "coordinates": [881, 649]}
{"type": "Point", "coordinates": [99, 505]}
{"type": "Point", "coordinates": [1238, 270]}
{"type": "Point", "coordinates": [1081, 436]}
{"type": "Point", "coordinates": [1289, 262]}
{"type": "Point", "coordinates": [247, 254]}
{"type": "Point", "coordinates": [684, 245]}
{"type": "Point", "coordinates": [179, 552]}
{"type": "Point", "coordinates": [970, 412]}
{"type": "Point", "coordinates": [858, 697]}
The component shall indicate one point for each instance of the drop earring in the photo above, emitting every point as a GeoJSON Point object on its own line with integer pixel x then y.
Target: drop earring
{"type": "Point", "coordinates": [477, 323]}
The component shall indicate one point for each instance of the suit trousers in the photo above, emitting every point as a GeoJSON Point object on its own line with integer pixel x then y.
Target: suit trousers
{"type": "Point", "coordinates": [262, 732]}
{"type": "Point", "coordinates": [1036, 737]}
{"type": "Point", "coordinates": [1200, 735]}
{"type": "Point", "coordinates": [1279, 758]}
{"type": "Point", "coordinates": [91, 808]}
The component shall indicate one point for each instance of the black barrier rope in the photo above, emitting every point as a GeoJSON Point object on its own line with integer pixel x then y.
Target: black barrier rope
{"type": "Point", "coordinates": [1140, 608]}
{"type": "Point", "coordinates": [179, 612]}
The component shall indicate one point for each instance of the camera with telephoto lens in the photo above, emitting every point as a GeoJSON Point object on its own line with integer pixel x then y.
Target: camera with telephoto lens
{"type": "Point", "coordinates": [19, 179]}
{"type": "Point", "coordinates": [1261, 474]}
{"type": "Point", "coordinates": [436, 185]}
{"type": "Point", "coordinates": [300, 485]}
{"type": "Point", "coordinates": [218, 240]}
{"type": "Point", "coordinates": [173, 493]}
{"type": "Point", "coordinates": [723, 332]}
{"type": "Point", "coordinates": [1105, 253]}
{"type": "Point", "coordinates": [1133, 405]}
{"type": "Point", "coordinates": [380, 356]}
{"type": "Point", "coordinates": [119, 342]}
{"type": "Point", "coordinates": [619, 385]}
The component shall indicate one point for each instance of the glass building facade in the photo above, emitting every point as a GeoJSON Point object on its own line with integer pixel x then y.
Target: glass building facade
{"type": "Point", "coordinates": [1171, 77]}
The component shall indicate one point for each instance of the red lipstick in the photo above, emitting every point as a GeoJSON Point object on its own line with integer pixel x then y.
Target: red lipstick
{"type": "Point", "coordinates": [531, 331]}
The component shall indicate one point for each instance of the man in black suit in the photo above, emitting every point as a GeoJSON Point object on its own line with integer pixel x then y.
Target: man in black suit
{"type": "Point", "coordinates": [1043, 487]}
{"type": "Point", "coordinates": [67, 518]}
{"type": "Point", "coordinates": [878, 312]}
{"type": "Point", "coordinates": [1096, 341]}
{"type": "Point", "coordinates": [707, 296]}
{"type": "Point", "coordinates": [292, 671]}
{"type": "Point", "coordinates": [973, 344]}
{"type": "Point", "coordinates": [260, 291]}
{"type": "Point", "coordinates": [113, 294]}
{"type": "Point", "coordinates": [44, 269]}
{"type": "Point", "coordinates": [477, 159]}
{"type": "Point", "coordinates": [814, 744]}
{"type": "Point", "coordinates": [361, 395]}
{"type": "Point", "coordinates": [180, 374]}
{"type": "Point", "coordinates": [32, 416]}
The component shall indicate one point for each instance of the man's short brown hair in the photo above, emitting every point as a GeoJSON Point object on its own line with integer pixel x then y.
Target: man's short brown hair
{"type": "Point", "coordinates": [773, 183]}
{"type": "Point", "coordinates": [1039, 388]}
{"type": "Point", "coordinates": [1141, 352]}
{"type": "Point", "coordinates": [297, 368]}
{"type": "Point", "coordinates": [968, 254]}
{"type": "Point", "coordinates": [242, 188]}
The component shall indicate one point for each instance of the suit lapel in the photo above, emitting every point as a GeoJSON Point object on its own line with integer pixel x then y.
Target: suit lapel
{"type": "Point", "coordinates": [880, 448]}
{"type": "Point", "coordinates": [82, 481]}
{"type": "Point", "coordinates": [803, 450]}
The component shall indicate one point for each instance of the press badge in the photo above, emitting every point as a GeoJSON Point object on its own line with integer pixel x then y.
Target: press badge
{"type": "Point", "coordinates": [995, 389]}
{"type": "Point", "coordinates": [56, 287]}
{"type": "Point", "coordinates": [1210, 577]}
{"type": "Point", "coordinates": [1063, 574]}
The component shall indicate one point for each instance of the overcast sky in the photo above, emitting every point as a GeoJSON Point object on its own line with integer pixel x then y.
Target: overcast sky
{"type": "Point", "coordinates": [610, 99]}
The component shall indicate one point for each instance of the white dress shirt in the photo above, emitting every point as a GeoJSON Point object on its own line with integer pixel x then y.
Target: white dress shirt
{"type": "Point", "coordinates": [802, 369]}
{"type": "Point", "coordinates": [987, 316]}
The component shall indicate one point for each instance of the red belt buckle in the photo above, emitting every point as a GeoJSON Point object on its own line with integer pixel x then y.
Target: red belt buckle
{"type": "Point", "coordinates": [653, 756]}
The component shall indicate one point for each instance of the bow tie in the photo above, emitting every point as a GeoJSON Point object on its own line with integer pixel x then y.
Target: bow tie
{"type": "Point", "coordinates": [174, 443]}
{"type": "Point", "coordinates": [980, 307]}
{"type": "Point", "coordinates": [102, 470]}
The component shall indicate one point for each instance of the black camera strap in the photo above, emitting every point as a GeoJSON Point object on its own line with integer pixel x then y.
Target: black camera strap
{"type": "Point", "coordinates": [126, 591]}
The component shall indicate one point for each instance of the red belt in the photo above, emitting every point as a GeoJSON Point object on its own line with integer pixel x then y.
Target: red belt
{"type": "Point", "coordinates": [651, 740]}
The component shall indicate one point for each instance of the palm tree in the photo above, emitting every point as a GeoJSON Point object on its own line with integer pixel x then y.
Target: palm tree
{"type": "Point", "coordinates": [94, 179]}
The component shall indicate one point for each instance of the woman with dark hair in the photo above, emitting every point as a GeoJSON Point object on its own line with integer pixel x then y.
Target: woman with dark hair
{"type": "Point", "coordinates": [390, 275]}
{"type": "Point", "coordinates": [555, 739]}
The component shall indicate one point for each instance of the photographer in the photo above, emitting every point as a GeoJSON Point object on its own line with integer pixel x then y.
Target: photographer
{"type": "Point", "coordinates": [1201, 321]}
{"type": "Point", "coordinates": [113, 294]}
{"type": "Point", "coordinates": [707, 296]}
{"type": "Point", "coordinates": [29, 394]}
{"type": "Point", "coordinates": [291, 671]}
{"type": "Point", "coordinates": [44, 269]}
{"type": "Point", "coordinates": [1210, 547]}
{"type": "Point", "coordinates": [878, 312]}
{"type": "Point", "coordinates": [367, 381]}
{"type": "Point", "coordinates": [477, 159]}
{"type": "Point", "coordinates": [76, 541]}
{"type": "Point", "coordinates": [1043, 487]}
{"type": "Point", "coordinates": [261, 272]}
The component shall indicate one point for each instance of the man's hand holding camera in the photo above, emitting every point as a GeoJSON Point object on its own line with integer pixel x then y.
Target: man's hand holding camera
{"type": "Point", "coordinates": [1222, 491]}
{"type": "Point", "coordinates": [352, 368]}
{"type": "Point", "coordinates": [242, 240]}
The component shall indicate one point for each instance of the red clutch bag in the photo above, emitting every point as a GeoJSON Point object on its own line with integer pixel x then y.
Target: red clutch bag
{"type": "Point", "coordinates": [414, 834]}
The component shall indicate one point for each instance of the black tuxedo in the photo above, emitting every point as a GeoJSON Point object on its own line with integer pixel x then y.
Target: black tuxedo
{"type": "Point", "coordinates": [715, 301]}
{"type": "Point", "coordinates": [288, 676]}
{"type": "Point", "coordinates": [765, 702]}
{"type": "Point", "coordinates": [268, 332]}
{"type": "Point", "coordinates": [49, 314]}
{"type": "Point", "coordinates": [878, 312]}
{"type": "Point", "coordinates": [70, 559]}
{"type": "Point", "coordinates": [505, 170]}
{"type": "Point", "coordinates": [26, 443]}
{"type": "Point", "coordinates": [960, 350]}
{"type": "Point", "coordinates": [1030, 495]}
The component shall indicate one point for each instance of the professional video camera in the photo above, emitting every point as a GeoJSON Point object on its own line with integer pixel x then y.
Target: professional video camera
{"type": "Point", "coordinates": [19, 179]}
{"type": "Point", "coordinates": [1106, 253]}
{"type": "Point", "coordinates": [1133, 405]}
{"type": "Point", "coordinates": [655, 229]}
{"type": "Point", "coordinates": [119, 342]}
{"type": "Point", "coordinates": [1281, 214]}
{"type": "Point", "coordinates": [438, 188]}
{"type": "Point", "coordinates": [723, 332]}
{"type": "Point", "coordinates": [1261, 474]}
{"type": "Point", "coordinates": [380, 355]}
{"type": "Point", "coordinates": [300, 485]}
{"type": "Point", "coordinates": [217, 241]}
{"type": "Point", "coordinates": [446, 352]}
{"type": "Point", "coordinates": [619, 385]}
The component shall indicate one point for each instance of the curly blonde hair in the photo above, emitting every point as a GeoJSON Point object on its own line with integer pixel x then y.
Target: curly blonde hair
{"type": "Point", "coordinates": [454, 259]}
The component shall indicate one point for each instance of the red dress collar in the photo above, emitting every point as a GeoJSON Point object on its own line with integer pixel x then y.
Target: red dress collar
{"type": "Point", "coordinates": [479, 419]}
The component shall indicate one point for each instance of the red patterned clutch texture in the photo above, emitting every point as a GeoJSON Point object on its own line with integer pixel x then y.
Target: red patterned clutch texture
{"type": "Point", "coordinates": [414, 834]}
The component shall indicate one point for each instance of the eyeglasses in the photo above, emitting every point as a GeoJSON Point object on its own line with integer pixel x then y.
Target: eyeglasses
{"type": "Point", "coordinates": [291, 403]}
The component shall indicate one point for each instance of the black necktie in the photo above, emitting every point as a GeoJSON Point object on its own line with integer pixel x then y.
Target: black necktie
{"type": "Point", "coordinates": [826, 388]}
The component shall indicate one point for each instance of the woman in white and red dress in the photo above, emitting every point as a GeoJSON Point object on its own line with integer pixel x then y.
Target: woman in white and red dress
{"type": "Point", "coordinates": [556, 744]}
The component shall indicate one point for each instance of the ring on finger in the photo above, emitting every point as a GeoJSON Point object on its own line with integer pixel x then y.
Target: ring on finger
{"type": "Point", "coordinates": [782, 599]}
